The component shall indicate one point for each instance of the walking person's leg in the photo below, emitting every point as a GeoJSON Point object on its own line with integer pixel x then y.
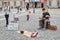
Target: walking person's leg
{"type": "Point", "coordinates": [6, 22]}
{"type": "Point", "coordinates": [27, 17]}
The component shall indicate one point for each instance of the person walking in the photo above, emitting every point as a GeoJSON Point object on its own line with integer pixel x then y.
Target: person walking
{"type": "Point", "coordinates": [7, 19]}
{"type": "Point", "coordinates": [27, 6]}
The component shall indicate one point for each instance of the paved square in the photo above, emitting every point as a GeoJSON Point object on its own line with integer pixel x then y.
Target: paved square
{"type": "Point", "coordinates": [33, 25]}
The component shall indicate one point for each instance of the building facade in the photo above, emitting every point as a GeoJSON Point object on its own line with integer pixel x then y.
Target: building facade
{"type": "Point", "coordinates": [53, 3]}
{"type": "Point", "coordinates": [36, 3]}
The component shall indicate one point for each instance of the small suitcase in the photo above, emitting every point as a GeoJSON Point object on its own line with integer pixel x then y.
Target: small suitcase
{"type": "Point", "coordinates": [52, 27]}
{"type": "Point", "coordinates": [13, 26]}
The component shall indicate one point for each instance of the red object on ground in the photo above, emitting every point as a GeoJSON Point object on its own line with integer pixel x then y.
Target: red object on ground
{"type": "Point", "coordinates": [33, 35]}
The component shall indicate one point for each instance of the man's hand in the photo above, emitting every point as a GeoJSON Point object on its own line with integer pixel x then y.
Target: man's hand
{"type": "Point", "coordinates": [43, 18]}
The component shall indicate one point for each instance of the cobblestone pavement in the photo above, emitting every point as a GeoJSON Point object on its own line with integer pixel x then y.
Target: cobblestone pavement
{"type": "Point", "coordinates": [33, 25]}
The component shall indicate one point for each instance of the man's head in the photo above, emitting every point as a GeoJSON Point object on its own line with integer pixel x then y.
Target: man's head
{"type": "Point", "coordinates": [20, 9]}
{"type": "Point", "coordinates": [43, 10]}
{"type": "Point", "coordinates": [27, 3]}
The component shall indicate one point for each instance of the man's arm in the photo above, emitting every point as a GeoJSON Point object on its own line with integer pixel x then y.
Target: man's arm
{"type": "Point", "coordinates": [42, 18]}
{"type": "Point", "coordinates": [48, 15]}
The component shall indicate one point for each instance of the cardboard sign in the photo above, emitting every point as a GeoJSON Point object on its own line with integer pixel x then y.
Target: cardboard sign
{"type": "Point", "coordinates": [13, 26]}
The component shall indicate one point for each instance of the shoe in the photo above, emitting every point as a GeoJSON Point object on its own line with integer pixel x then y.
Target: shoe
{"type": "Point", "coordinates": [34, 35]}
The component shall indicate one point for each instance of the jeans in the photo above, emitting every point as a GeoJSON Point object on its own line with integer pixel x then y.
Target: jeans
{"type": "Point", "coordinates": [7, 22]}
{"type": "Point", "coordinates": [44, 23]}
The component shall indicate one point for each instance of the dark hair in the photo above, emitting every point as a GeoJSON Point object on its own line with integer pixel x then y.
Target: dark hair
{"type": "Point", "coordinates": [21, 32]}
{"type": "Point", "coordinates": [20, 9]}
{"type": "Point", "coordinates": [27, 3]}
{"type": "Point", "coordinates": [43, 9]}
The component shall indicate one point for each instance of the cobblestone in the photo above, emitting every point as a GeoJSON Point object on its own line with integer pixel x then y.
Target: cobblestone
{"type": "Point", "coordinates": [32, 25]}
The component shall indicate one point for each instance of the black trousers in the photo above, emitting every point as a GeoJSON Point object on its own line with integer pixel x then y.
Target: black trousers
{"type": "Point", "coordinates": [7, 21]}
{"type": "Point", "coordinates": [42, 5]}
{"type": "Point", "coordinates": [27, 8]}
{"type": "Point", "coordinates": [27, 17]}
